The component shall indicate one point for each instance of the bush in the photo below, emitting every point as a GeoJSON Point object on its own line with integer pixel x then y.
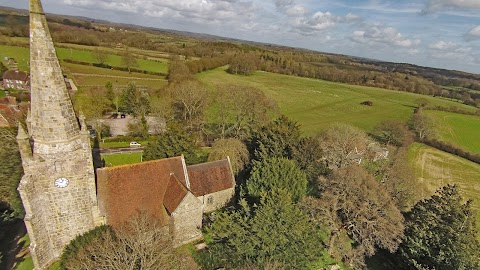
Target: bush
{"type": "Point", "coordinates": [367, 103]}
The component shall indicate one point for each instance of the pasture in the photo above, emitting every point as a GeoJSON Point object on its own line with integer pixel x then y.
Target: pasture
{"type": "Point", "coordinates": [457, 129]}
{"type": "Point", "coordinates": [21, 55]}
{"type": "Point", "coordinates": [435, 168]}
{"type": "Point", "coordinates": [85, 76]}
{"type": "Point", "coordinates": [316, 104]}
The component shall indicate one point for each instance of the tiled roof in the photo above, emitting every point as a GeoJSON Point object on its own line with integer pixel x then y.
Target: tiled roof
{"type": "Point", "coordinates": [124, 190]}
{"type": "Point", "coordinates": [157, 187]}
{"type": "Point", "coordinates": [174, 194]}
{"type": "Point", "coordinates": [9, 115]}
{"type": "Point", "coordinates": [210, 177]}
{"type": "Point", "coordinates": [15, 75]}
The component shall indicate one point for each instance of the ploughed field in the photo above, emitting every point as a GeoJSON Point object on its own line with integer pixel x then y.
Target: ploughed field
{"type": "Point", "coordinates": [435, 168]}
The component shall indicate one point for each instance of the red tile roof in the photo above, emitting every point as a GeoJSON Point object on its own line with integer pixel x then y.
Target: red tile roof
{"type": "Point", "coordinates": [174, 194]}
{"type": "Point", "coordinates": [157, 187]}
{"type": "Point", "coordinates": [210, 177]}
{"type": "Point", "coordinates": [124, 190]}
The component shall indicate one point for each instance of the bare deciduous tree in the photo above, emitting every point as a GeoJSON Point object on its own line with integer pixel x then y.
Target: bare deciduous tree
{"type": "Point", "coordinates": [233, 148]}
{"type": "Point", "coordinates": [242, 108]}
{"type": "Point", "coordinates": [341, 143]}
{"type": "Point", "coordinates": [141, 243]}
{"type": "Point", "coordinates": [422, 125]}
{"type": "Point", "coordinates": [190, 99]}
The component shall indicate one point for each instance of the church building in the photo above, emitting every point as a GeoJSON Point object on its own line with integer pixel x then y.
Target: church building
{"type": "Point", "coordinates": [62, 195]}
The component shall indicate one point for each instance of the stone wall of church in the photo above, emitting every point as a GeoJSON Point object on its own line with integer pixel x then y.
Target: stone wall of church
{"type": "Point", "coordinates": [217, 200]}
{"type": "Point", "coordinates": [55, 215]}
{"type": "Point", "coordinates": [187, 220]}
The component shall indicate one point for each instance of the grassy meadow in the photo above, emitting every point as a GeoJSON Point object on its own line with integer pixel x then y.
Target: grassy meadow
{"type": "Point", "coordinates": [85, 76]}
{"type": "Point", "coordinates": [121, 159]}
{"type": "Point", "coordinates": [435, 168]}
{"type": "Point", "coordinates": [316, 104]}
{"type": "Point", "coordinates": [457, 129]}
{"type": "Point", "coordinates": [96, 76]}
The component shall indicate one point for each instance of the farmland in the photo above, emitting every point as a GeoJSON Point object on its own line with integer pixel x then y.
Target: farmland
{"type": "Point", "coordinates": [434, 169]}
{"type": "Point", "coordinates": [88, 75]}
{"type": "Point", "coordinates": [316, 104]}
{"type": "Point", "coordinates": [457, 129]}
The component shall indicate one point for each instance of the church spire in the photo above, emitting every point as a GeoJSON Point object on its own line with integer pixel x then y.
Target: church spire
{"type": "Point", "coordinates": [52, 116]}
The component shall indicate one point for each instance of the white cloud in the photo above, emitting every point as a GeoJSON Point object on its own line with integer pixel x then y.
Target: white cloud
{"type": "Point", "coordinates": [473, 34]}
{"type": "Point", "coordinates": [296, 10]}
{"type": "Point", "coordinates": [381, 35]}
{"type": "Point", "coordinates": [440, 5]}
{"type": "Point", "coordinates": [203, 10]}
{"type": "Point", "coordinates": [447, 50]}
{"type": "Point", "coordinates": [318, 22]}
{"type": "Point", "coordinates": [442, 45]}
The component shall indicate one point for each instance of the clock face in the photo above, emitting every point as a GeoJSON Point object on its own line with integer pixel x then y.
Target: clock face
{"type": "Point", "coordinates": [61, 182]}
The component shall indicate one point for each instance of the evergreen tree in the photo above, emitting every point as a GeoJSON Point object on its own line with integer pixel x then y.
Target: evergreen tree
{"type": "Point", "coordinates": [173, 142]}
{"type": "Point", "coordinates": [277, 173]}
{"type": "Point", "coordinates": [277, 139]}
{"type": "Point", "coordinates": [441, 234]}
{"type": "Point", "coordinates": [275, 231]}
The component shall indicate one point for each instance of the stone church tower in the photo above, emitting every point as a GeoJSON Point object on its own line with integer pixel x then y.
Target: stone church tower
{"type": "Point", "coordinates": [58, 189]}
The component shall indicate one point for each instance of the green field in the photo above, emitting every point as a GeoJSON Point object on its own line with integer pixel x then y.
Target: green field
{"type": "Point", "coordinates": [121, 159]}
{"type": "Point", "coordinates": [100, 76]}
{"type": "Point", "coordinates": [457, 129]}
{"type": "Point", "coordinates": [316, 104]}
{"type": "Point", "coordinates": [21, 55]}
{"type": "Point", "coordinates": [435, 168]}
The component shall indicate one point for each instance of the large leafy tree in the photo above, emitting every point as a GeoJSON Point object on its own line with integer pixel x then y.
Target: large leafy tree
{"type": "Point", "coordinates": [173, 142]}
{"type": "Point", "coordinates": [354, 204]}
{"type": "Point", "coordinates": [441, 233]}
{"type": "Point", "coordinates": [277, 173]}
{"type": "Point", "coordinates": [277, 230]}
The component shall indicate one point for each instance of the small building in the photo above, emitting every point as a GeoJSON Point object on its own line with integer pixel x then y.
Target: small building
{"type": "Point", "coordinates": [176, 194]}
{"type": "Point", "coordinates": [16, 79]}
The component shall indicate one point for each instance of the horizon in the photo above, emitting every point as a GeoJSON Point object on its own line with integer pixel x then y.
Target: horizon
{"type": "Point", "coordinates": [442, 34]}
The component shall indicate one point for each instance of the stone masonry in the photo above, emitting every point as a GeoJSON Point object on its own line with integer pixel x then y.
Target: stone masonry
{"type": "Point", "coordinates": [58, 186]}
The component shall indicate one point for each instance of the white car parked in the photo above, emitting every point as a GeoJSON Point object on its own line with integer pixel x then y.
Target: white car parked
{"type": "Point", "coordinates": [135, 144]}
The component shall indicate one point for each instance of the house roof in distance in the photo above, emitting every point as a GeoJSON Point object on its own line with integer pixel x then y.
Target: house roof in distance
{"type": "Point", "coordinates": [15, 75]}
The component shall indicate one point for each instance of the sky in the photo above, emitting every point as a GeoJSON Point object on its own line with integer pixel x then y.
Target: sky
{"type": "Point", "coordinates": [436, 33]}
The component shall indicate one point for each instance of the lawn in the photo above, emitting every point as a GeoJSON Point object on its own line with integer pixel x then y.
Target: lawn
{"type": "Point", "coordinates": [121, 159]}
{"type": "Point", "coordinates": [435, 168]}
{"type": "Point", "coordinates": [316, 104]}
{"type": "Point", "coordinates": [457, 129]}
{"type": "Point", "coordinates": [21, 55]}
